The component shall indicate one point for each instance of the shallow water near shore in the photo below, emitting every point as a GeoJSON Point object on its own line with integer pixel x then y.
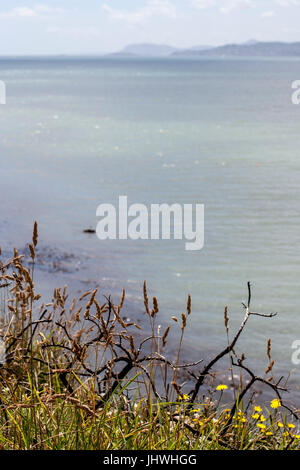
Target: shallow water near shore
{"type": "Point", "coordinates": [79, 132]}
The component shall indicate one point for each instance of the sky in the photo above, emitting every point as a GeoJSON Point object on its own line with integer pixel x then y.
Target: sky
{"type": "Point", "coordinates": [101, 26]}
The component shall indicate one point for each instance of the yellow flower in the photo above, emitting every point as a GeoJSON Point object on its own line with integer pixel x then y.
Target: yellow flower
{"type": "Point", "coordinates": [280, 425]}
{"type": "Point", "coordinates": [286, 434]}
{"type": "Point", "coordinates": [255, 416]}
{"type": "Point", "coordinates": [222, 387]}
{"type": "Point", "coordinates": [262, 418]}
{"type": "Point", "coordinates": [275, 403]}
{"type": "Point", "coordinates": [269, 433]}
{"type": "Point", "coordinates": [184, 397]}
{"type": "Point", "coordinates": [258, 409]}
{"type": "Point", "coordinates": [291, 426]}
{"type": "Point", "coordinates": [198, 422]}
{"type": "Point", "coordinates": [196, 410]}
{"type": "Point", "coordinates": [261, 426]}
{"type": "Point", "coordinates": [296, 436]}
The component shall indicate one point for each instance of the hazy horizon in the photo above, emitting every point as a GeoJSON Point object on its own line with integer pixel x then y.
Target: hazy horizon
{"type": "Point", "coordinates": [107, 26]}
{"type": "Point", "coordinates": [87, 54]}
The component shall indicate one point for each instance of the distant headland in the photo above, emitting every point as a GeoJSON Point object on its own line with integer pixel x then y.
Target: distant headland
{"type": "Point", "coordinates": [251, 48]}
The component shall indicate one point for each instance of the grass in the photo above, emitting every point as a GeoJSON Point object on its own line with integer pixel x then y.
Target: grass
{"type": "Point", "coordinates": [76, 375]}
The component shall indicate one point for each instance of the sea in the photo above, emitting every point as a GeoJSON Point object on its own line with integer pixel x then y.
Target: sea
{"type": "Point", "coordinates": [77, 132]}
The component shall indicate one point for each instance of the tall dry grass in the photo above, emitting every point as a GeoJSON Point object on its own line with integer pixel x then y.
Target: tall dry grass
{"type": "Point", "coordinates": [76, 375]}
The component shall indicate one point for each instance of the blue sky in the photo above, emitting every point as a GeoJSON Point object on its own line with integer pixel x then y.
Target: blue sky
{"type": "Point", "coordinates": [98, 26]}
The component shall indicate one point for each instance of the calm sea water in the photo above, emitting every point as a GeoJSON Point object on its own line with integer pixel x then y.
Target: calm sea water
{"type": "Point", "coordinates": [76, 133]}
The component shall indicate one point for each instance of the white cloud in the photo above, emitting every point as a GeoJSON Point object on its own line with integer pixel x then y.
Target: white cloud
{"type": "Point", "coordinates": [268, 14]}
{"type": "Point", "coordinates": [21, 12]}
{"type": "Point", "coordinates": [232, 4]}
{"type": "Point", "coordinates": [225, 6]}
{"type": "Point", "coordinates": [287, 3]}
{"type": "Point", "coordinates": [202, 4]}
{"type": "Point", "coordinates": [39, 11]}
{"type": "Point", "coordinates": [46, 10]}
{"type": "Point", "coordinates": [152, 8]}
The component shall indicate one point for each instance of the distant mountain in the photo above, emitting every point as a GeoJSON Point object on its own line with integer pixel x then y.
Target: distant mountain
{"type": "Point", "coordinates": [148, 50]}
{"type": "Point", "coordinates": [251, 42]}
{"type": "Point", "coordinates": [201, 48]}
{"type": "Point", "coordinates": [250, 49]}
{"type": "Point", "coordinates": [193, 49]}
